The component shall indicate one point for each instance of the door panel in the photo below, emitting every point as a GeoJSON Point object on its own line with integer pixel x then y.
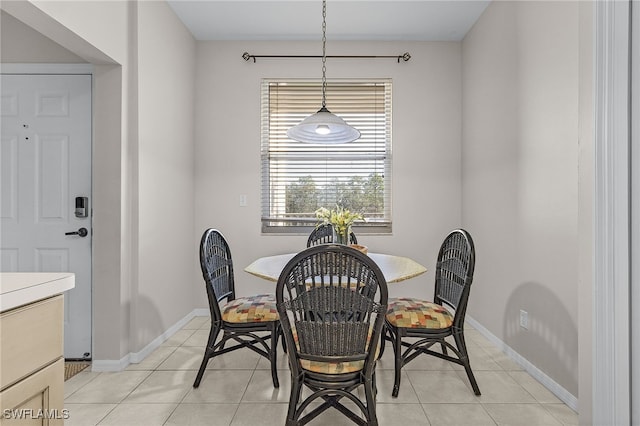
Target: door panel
{"type": "Point", "coordinates": [9, 175]}
{"type": "Point", "coordinates": [46, 164]}
{"type": "Point", "coordinates": [51, 178]}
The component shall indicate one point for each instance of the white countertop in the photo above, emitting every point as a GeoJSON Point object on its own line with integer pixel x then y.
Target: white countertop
{"type": "Point", "coordinates": [21, 288]}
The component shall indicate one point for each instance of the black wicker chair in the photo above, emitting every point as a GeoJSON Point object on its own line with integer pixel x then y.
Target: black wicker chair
{"type": "Point", "coordinates": [323, 234]}
{"type": "Point", "coordinates": [238, 319]}
{"type": "Point", "coordinates": [431, 322]}
{"type": "Point", "coordinates": [332, 299]}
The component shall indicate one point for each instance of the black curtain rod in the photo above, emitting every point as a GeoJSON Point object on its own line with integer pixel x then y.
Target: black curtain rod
{"type": "Point", "coordinates": [405, 56]}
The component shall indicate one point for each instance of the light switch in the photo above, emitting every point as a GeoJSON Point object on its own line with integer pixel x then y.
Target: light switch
{"type": "Point", "coordinates": [243, 200]}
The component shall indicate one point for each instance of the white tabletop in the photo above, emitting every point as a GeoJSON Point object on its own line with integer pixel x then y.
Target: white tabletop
{"type": "Point", "coordinates": [394, 268]}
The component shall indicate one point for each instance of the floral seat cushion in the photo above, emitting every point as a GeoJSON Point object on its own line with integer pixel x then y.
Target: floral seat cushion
{"type": "Point", "coordinates": [260, 308]}
{"type": "Point", "coordinates": [415, 313]}
{"type": "Point", "coordinates": [332, 367]}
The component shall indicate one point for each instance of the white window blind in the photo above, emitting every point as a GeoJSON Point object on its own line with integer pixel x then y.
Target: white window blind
{"type": "Point", "coordinates": [298, 178]}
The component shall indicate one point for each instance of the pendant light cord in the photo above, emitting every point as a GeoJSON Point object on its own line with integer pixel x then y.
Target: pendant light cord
{"type": "Point", "coordinates": [324, 53]}
{"type": "Point", "coordinates": [323, 127]}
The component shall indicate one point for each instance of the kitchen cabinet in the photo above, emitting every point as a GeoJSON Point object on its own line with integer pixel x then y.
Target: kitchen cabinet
{"type": "Point", "coordinates": [31, 348]}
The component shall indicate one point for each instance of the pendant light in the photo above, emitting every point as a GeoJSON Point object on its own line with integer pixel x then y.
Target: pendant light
{"type": "Point", "coordinates": [323, 127]}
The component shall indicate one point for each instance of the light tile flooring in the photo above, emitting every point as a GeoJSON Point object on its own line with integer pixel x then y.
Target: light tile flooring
{"type": "Point", "coordinates": [237, 390]}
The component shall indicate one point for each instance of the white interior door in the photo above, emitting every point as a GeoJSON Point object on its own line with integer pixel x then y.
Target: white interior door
{"type": "Point", "coordinates": [45, 166]}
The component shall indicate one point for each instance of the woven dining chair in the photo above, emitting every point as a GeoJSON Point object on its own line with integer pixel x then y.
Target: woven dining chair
{"type": "Point", "coordinates": [331, 300]}
{"type": "Point", "coordinates": [323, 234]}
{"type": "Point", "coordinates": [430, 321]}
{"type": "Point", "coordinates": [239, 319]}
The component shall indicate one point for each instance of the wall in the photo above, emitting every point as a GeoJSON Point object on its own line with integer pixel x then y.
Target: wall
{"type": "Point", "coordinates": [165, 192]}
{"type": "Point", "coordinates": [19, 43]}
{"type": "Point", "coordinates": [586, 185]}
{"type": "Point", "coordinates": [426, 146]}
{"type": "Point", "coordinates": [521, 83]}
{"type": "Point", "coordinates": [111, 94]}
{"type": "Point", "coordinates": [143, 163]}
{"type": "Point", "coordinates": [496, 132]}
{"type": "Point", "coordinates": [102, 27]}
{"type": "Point", "coordinates": [635, 210]}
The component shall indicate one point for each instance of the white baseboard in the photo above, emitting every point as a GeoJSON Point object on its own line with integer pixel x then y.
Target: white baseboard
{"type": "Point", "coordinates": [101, 365]}
{"type": "Point", "coordinates": [546, 381]}
{"type": "Point", "coordinates": [137, 357]}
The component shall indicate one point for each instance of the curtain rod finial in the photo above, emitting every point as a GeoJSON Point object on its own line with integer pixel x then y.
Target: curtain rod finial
{"type": "Point", "coordinates": [246, 57]}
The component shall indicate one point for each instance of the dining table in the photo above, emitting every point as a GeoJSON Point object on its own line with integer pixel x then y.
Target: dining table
{"type": "Point", "coordinates": [394, 268]}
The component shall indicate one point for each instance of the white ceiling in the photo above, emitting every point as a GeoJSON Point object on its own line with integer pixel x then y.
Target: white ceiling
{"type": "Point", "coordinates": [383, 20]}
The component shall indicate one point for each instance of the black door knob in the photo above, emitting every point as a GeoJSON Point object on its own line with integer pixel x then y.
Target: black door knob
{"type": "Point", "coordinates": [81, 232]}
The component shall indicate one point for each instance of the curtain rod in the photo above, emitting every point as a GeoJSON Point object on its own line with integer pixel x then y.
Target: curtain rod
{"type": "Point", "coordinates": [405, 56]}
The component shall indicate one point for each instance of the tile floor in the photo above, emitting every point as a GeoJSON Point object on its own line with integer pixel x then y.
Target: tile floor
{"type": "Point", "coordinates": [237, 390]}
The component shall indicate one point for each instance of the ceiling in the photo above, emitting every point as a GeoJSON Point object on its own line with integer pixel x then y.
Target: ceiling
{"type": "Point", "coordinates": [382, 20]}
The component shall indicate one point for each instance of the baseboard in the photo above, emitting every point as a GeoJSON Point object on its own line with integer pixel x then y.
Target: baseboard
{"type": "Point", "coordinates": [564, 395]}
{"type": "Point", "coordinates": [137, 357]}
{"type": "Point", "coordinates": [103, 365]}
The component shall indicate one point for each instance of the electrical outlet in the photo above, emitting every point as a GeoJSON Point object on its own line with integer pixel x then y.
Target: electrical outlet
{"type": "Point", "coordinates": [524, 319]}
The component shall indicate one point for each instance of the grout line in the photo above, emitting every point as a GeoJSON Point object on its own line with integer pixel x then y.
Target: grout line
{"type": "Point", "coordinates": [254, 369]}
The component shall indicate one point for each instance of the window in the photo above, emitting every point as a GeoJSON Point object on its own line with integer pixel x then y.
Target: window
{"type": "Point", "coordinates": [299, 178]}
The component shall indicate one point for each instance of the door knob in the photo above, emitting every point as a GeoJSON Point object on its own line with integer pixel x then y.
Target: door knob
{"type": "Point", "coordinates": [81, 232]}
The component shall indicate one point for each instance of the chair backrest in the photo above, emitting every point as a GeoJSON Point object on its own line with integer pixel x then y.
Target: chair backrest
{"type": "Point", "coordinates": [217, 270]}
{"type": "Point", "coordinates": [323, 234]}
{"type": "Point", "coordinates": [454, 272]}
{"type": "Point", "coordinates": [335, 299]}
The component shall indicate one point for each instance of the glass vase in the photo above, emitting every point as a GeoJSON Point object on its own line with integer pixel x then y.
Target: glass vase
{"type": "Point", "coordinates": [342, 237]}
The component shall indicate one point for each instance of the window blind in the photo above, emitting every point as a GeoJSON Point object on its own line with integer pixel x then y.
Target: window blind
{"type": "Point", "coordinates": [298, 178]}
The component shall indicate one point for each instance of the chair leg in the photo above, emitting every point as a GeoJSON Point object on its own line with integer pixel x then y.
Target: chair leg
{"type": "Point", "coordinates": [375, 387]}
{"type": "Point", "coordinates": [464, 357]}
{"type": "Point", "coordinates": [370, 395]}
{"type": "Point", "coordinates": [284, 343]}
{"type": "Point", "coordinates": [294, 398]}
{"type": "Point", "coordinates": [226, 336]}
{"type": "Point", "coordinates": [397, 348]}
{"type": "Point", "coordinates": [208, 352]}
{"type": "Point", "coordinates": [444, 348]}
{"type": "Point", "coordinates": [383, 341]}
{"type": "Point", "coordinates": [273, 354]}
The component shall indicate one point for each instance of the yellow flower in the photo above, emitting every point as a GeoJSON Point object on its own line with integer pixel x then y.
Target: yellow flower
{"type": "Point", "coordinates": [340, 218]}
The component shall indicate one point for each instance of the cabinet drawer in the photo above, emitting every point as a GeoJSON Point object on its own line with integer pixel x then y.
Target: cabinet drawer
{"type": "Point", "coordinates": [31, 337]}
{"type": "Point", "coordinates": [36, 400]}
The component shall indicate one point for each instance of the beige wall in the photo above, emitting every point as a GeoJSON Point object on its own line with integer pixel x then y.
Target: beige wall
{"type": "Point", "coordinates": [32, 46]}
{"type": "Point", "coordinates": [586, 187]}
{"type": "Point", "coordinates": [142, 165]}
{"type": "Point", "coordinates": [426, 146]}
{"type": "Point", "coordinates": [102, 24]}
{"type": "Point", "coordinates": [165, 191]}
{"type": "Point", "coordinates": [111, 145]}
{"type": "Point", "coordinates": [522, 112]}
{"type": "Point", "coordinates": [492, 134]}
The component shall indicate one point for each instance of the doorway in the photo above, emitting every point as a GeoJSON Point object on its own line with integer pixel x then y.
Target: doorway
{"type": "Point", "coordinates": [46, 189]}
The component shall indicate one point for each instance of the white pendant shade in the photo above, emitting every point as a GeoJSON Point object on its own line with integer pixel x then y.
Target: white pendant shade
{"type": "Point", "coordinates": [323, 127]}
